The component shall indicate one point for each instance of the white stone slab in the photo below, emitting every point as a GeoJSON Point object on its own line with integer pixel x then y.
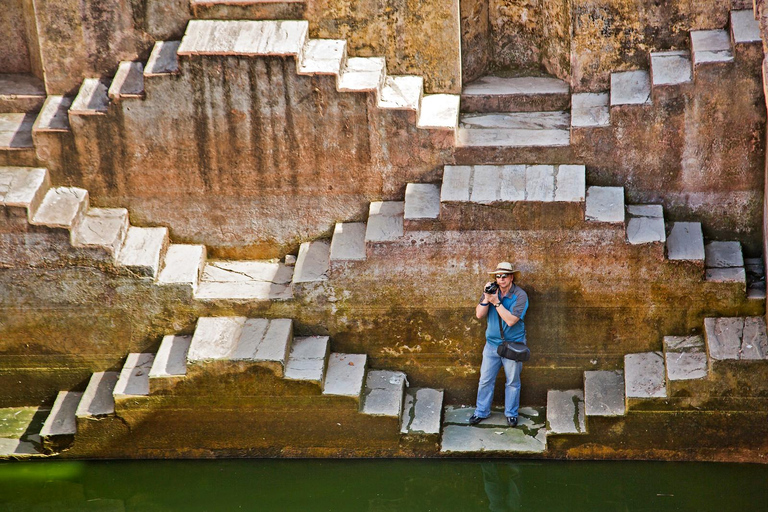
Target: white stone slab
{"type": "Point", "coordinates": [570, 183]}
{"type": "Point", "coordinates": [102, 227]}
{"type": "Point", "coordinates": [264, 340]}
{"type": "Point", "coordinates": [345, 374]}
{"type": "Point", "coordinates": [62, 207]}
{"type": "Point", "coordinates": [590, 110]}
{"type": "Point", "coordinates": [723, 337]}
{"type": "Point", "coordinates": [605, 204]}
{"type": "Point", "coordinates": [91, 99]}
{"type": "Point", "coordinates": [128, 81]}
{"type": "Point", "coordinates": [348, 242]}
{"type": "Point", "coordinates": [422, 411]}
{"type": "Point", "coordinates": [515, 129]}
{"type": "Point", "coordinates": [644, 375]}
{"type": "Point", "coordinates": [723, 255]}
{"type": "Point", "coordinates": [685, 241]}
{"type": "Point", "coordinates": [726, 275]}
{"type": "Point", "coordinates": [163, 59]}
{"type": "Point", "coordinates": [604, 393]}
{"type": "Point", "coordinates": [24, 187]}
{"type": "Point", "coordinates": [565, 412]}
{"type": "Point", "coordinates": [671, 68]}
{"type": "Point", "coordinates": [171, 358]}
{"type": "Point", "coordinates": [710, 47]}
{"type": "Point", "coordinates": [97, 399]}
{"type": "Point", "coordinates": [630, 88]}
{"type": "Point", "coordinates": [439, 111]}
{"type": "Point", "coordinates": [535, 121]}
{"type": "Point", "coordinates": [646, 224]}
{"type": "Point", "coordinates": [243, 291]}
{"type": "Point", "coordinates": [456, 183]}
{"type": "Point", "coordinates": [385, 221]}
{"type": "Point", "coordinates": [744, 27]}
{"type": "Point", "coordinates": [183, 264]}
{"type": "Point", "coordinates": [685, 357]}
{"type": "Point", "coordinates": [486, 183]}
{"type": "Point", "coordinates": [241, 280]}
{"type": "Point", "coordinates": [143, 250]}
{"type": "Point", "coordinates": [62, 420]}
{"type": "Point", "coordinates": [384, 392]}
{"type": "Point", "coordinates": [422, 201]}
{"type": "Point", "coordinates": [307, 358]}
{"type": "Point", "coordinates": [754, 343]}
{"type": "Point", "coordinates": [228, 37]}
{"type": "Point", "coordinates": [54, 116]}
{"type": "Point", "coordinates": [313, 262]}
{"type": "Point", "coordinates": [215, 338]}
{"type": "Point", "coordinates": [512, 186]}
{"type": "Point", "coordinates": [526, 85]}
{"type": "Point", "coordinates": [17, 448]}
{"type": "Point", "coordinates": [540, 183]}
{"type": "Point", "coordinates": [323, 56]}
{"type": "Point", "coordinates": [362, 74]}
{"type": "Point", "coordinates": [401, 92]}
{"type": "Point", "coordinates": [530, 436]}
{"type": "Point", "coordinates": [134, 377]}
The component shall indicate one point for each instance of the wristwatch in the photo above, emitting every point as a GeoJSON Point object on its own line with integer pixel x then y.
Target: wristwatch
{"type": "Point", "coordinates": [497, 304]}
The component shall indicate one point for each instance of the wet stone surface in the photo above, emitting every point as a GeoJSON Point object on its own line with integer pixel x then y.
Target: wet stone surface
{"type": "Point", "coordinates": [493, 434]}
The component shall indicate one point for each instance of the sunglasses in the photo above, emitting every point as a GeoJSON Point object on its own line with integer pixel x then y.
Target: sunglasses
{"type": "Point", "coordinates": [499, 276]}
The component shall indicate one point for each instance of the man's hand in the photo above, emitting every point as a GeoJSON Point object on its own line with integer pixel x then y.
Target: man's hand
{"type": "Point", "coordinates": [490, 297]}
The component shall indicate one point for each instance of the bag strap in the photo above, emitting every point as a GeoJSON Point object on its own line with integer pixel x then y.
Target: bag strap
{"type": "Point", "coordinates": [501, 327]}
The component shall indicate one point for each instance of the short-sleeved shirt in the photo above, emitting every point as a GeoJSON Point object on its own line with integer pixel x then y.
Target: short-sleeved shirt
{"type": "Point", "coordinates": [516, 301]}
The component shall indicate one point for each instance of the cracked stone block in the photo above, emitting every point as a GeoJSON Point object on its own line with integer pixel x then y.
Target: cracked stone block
{"type": "Point", "coordinates": [604, 393]}
{"type": "Point", "coordinates": [685, 357]}
{"type": "Point", "coordinates": [630, 88]}
{"type": "Point", "coordinates": [565, 412]}
{"type": "Point", "coordinates": [644, 375]}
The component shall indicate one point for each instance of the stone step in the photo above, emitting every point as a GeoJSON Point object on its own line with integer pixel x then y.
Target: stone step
{"type": "Point", "coordinates": [308, 358]}
{"type": "Point", "coordinates": [486, 184]}
{"type": "Point", "coordinates": [134, 377]}
{"type": "Point", "coordinates": [439, 112]}
{"type": "Point", "coordinates": [54, 115]}
{"type": "Point", "coordinates": [565, 412]}
{"type": "Point", "coordinates": [493, 435]}
{"type": "Point", "coordinates": [685, 358]}
{"type": "Point", "coordinates": [710, 47]}
{"type": "Point", "coordinates": [685, 241]}
{"type": "Point", "coordinates": [755, 269]}
{"type": "Point", "coordinates": [519, 129]}
{"type": "Point", "coordinates": [24, 187]}
{"type": "Point", "coordinates": [745, 29]}
{"type": "Point", "coordinates": [97, 400]}
{"type": "Point", "coordinates": [605, 204]}
{"type": "Point", "coordinates": [422, 411]}
{"type": "Point", "coordinates": [248, 9]}
{"type": "Point", "coordinates": [361, 74]}
{"type": "Point", "coordinates": [630, 88]}
{"type": "Point", "coordinates": [143, 250]}
{"type": "Point", "coordinates": [313, 262]}
{"type": "Point", "coordinates": [16, 130]}
{"type": "Point", "coordinates": [183, 265]}
{"type": "Point", "coordinates": [171, 359]}
{"type": "Point", "coordinates": [227, 37]}
{"type": "Point", "coordinates": [384, 392]}
{"type": "Point", "coordinates": [385, 221]}
{"type": "Point", "coordinates": [736, 338]}
{"type": "Point", "coordinates": [671, 68]}
{"type": "Point", "coordinates": [62, 207]}
{"type": "Point", "coordinates": [345, 375]}
{"type": "Point", "coordinates": [323, 56]}
{"type": "Point", "coordinates": [401, 93]}
{"type": "Point", "coordinates": [590, 110]}
{"type": "Point", "coordinates": [102, 227]}
{"type": "Point", "coordinates": [62, 420]}
{"type": "Point", "coordinates": [604, 393]}
{"type": "Point", "coordinates": [215, 338]}
{"type": "Point", "coordinates": [724, 263]}
{"type": "Point", "coordinates": [128, 81]}
{"type": "Point", "coordinates": [245, 280]}
{"type": "Point", "coordinates": [645, 224]}
{"type": "Point", "coordinates": [518, 94]}
{"type": "Point", "coordinates": [422, 201]}
{"type": "Point", "coordinates": [644, 376]}
{"type": "Point", "coordinates": [163, 60]}
{"type": "Point", "coordinates": [91, 99]}
{"type": "Point", "coordinates": [265, 341]}
{"type": "Point", "coordinates": [21, 92]}
{"type": "Point", "coordinates": [348, 242]}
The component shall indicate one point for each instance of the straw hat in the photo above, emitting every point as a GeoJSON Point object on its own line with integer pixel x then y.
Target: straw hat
{"type": "Point", "coordinates": [505, 267]}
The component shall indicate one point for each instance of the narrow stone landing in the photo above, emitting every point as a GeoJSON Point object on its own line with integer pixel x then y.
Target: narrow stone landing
{"type": "Point", "coordinates": [518, 129]}
{"type": "Point", "coordinates": [245, 280]}
{"type": "Point", "coordinates": [19, 427]}
{"type": "Point", "coordinates": [493, 434]}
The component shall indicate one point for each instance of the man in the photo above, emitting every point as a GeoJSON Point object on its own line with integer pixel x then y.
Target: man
{"type": "Point", "coordinates": [505, 309]}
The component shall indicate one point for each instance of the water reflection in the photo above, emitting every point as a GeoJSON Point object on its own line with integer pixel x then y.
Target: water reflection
{"type": "Point", "coordinates": [500, 482]}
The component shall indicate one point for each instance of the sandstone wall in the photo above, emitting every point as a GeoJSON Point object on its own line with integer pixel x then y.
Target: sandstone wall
{"type": "Point", "coordinates": [18, 38]}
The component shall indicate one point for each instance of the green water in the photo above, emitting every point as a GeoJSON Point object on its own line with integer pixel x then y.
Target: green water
{"type": "Point", "coordinates": [381, 486]}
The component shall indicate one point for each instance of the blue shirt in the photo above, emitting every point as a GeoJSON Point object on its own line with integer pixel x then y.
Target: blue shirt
{"type": "Point", "coordinates": [516, 301]}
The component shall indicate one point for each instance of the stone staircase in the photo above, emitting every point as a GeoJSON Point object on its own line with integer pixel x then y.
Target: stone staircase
{"type": "Point", "coordinates": [691, 373]}
{"type": "Point", "coordinates": [520, 119]}
{"type": "Point", "coordinates": [216, 360]}
{"type": "Point", "coordinates": [21, 97]}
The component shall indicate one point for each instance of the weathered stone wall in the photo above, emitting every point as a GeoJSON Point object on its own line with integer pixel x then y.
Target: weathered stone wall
{"type": "Point", "coordinates": [249, 158]}
{"type": "Point", "coordinates": [18, 38]}
{"type": "Point", "coordinates": [417, 37]}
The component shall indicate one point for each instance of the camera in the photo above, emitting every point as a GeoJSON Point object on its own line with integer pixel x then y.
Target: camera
{"type": "Point", "coordinates": [491, 288]}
